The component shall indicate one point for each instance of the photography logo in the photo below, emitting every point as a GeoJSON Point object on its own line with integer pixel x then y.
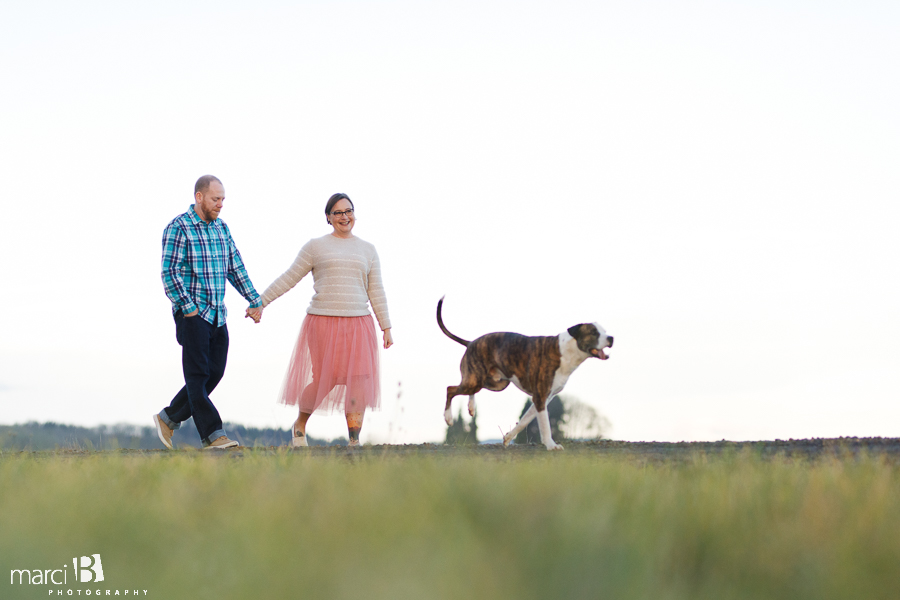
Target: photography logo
{"type": "Point", "coordinates": [89, 569]}
{"type": "Point", "coordinates": [85, 570]}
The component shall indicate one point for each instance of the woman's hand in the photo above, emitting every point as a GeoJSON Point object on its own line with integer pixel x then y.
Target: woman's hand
{"type": "Point", "coordinates": [388, 340]}
{"type": "Point", "coordinates": [254, 313]}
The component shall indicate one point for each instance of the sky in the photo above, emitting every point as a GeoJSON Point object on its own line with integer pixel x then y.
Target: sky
{"type": "Point", "coordinates": [714, 182]}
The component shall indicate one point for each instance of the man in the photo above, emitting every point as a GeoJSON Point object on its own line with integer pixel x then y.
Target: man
{"type": "Point", "coordinates": [198, 256]}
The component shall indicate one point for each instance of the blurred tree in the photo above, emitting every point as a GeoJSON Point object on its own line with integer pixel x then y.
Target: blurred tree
{"type": "Point", "coordinates": [570, 419]}
{"type": "Point", "coordinates": [581, 421]}
{"type": "Point", "coordinates": [459, 433]}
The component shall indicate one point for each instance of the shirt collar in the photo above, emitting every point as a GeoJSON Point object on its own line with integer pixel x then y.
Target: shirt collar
{"type": "Point", "coordinates": [196, 220]}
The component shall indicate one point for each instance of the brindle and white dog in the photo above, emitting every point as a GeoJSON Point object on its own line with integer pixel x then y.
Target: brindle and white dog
{"type": "Point", "coordinates": [539, 366]}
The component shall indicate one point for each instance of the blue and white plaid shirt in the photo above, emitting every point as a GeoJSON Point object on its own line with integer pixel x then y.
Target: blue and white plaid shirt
{"type": "Point", "coordinates": [197, 259]}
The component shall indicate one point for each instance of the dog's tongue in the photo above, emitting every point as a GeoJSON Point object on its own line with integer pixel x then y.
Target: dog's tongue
{"type": "Point", "coordinates": [599, 353]}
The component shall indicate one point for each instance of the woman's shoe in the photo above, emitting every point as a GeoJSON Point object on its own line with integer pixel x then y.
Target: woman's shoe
{"type": "Point", "coordinates": [298, 441]}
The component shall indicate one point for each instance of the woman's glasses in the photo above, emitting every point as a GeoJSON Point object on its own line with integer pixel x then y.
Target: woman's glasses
{"type": "Point", "coordinates": [341, 213]}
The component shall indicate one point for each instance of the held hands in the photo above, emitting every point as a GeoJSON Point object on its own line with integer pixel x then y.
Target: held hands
{"type": "Point", "coordinates": [388, 340]}
{"type": "Point", "coordinates": [254, 313]}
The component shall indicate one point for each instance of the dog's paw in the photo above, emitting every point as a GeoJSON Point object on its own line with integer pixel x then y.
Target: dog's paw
{"type": "Point", "coordinates": [448, 417]}
{"type": "Point", "coordinates": [508, 438]}
{"type": "Point", "coordinates": [553, 446]}
{"type": "Point", "coordinates": [471, 406]}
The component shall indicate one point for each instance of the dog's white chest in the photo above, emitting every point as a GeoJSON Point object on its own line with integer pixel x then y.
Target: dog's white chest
{"type": "Point", "coordinates": [559, 382]}
{"type": "Point", "coordinates": [569, 360]}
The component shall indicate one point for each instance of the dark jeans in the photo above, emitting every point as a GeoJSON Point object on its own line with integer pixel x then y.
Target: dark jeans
{"type": "Point", "coordinates": [204, 351]}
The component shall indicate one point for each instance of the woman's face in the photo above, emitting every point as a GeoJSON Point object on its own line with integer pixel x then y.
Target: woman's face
{"type": "Point", "coordinates": [343, 221]}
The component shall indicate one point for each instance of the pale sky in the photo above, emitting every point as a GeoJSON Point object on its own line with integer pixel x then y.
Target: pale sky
{"type": "Point", "coordinates": [713, 182]}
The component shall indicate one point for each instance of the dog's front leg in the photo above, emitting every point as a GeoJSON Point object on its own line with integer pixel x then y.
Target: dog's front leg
{"type": "Point", "coordinates": [543, 418]}
{"type": "Point", "coordinates": [522, 424]}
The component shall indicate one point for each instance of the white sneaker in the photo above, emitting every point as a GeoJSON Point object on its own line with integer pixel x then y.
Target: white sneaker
{"type": "Point", "coordinates": [298, 441]}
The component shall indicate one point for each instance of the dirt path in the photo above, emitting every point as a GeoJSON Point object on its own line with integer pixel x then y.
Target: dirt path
{"type": "Point", "coordinates": [667, 451]}
{"type": "Point", "coordinates": [643, 452]}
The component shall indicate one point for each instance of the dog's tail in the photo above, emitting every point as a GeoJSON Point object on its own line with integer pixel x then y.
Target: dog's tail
{"type": "Point", "coordinates": [444, 329]}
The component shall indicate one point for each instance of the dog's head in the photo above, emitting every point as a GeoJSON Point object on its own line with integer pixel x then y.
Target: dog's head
{"type": "Point", "coordinates": [591, 339]}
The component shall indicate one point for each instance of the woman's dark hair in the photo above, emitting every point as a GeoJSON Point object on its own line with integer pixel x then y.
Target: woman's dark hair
{"type": "Point", "coordinates": [335, 198]}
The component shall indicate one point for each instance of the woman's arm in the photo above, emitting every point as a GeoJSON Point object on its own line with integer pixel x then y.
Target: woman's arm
{"type": "Point", "coordinates": [375, 291]}
{"type": "Point", "coordinates": [302, 265]}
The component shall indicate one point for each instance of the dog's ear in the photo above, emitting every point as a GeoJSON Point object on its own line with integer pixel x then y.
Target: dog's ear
{"type": "Point", "coordinates": [573, 330]}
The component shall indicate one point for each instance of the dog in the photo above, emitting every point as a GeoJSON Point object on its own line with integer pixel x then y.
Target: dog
{"type": "Point", "coordinates": [539, 366]}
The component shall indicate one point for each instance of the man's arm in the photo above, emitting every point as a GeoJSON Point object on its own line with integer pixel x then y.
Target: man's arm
{"type": "Point", "coordinates": [237, 274]}
{"type": "Point", "coordinates": [174, 252]}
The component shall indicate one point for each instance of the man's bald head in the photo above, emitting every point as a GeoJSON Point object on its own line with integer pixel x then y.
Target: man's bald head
{"type": "Point", "coordinates": [203, 183]}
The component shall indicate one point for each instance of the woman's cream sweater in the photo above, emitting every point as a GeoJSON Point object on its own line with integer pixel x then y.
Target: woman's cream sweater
{"type": "Point", "coordinates": [346, 273]}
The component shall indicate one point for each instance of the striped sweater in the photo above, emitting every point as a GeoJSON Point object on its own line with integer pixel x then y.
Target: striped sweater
{"type": "Point", "coordinates": [346, 274]}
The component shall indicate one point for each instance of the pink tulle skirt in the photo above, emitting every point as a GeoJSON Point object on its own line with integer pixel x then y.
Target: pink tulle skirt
{"type": "Point", "coordinates": [334, 366]}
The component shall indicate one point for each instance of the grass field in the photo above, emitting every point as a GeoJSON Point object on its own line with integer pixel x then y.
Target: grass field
{"type": "Point", "coordinates": [385, 525]}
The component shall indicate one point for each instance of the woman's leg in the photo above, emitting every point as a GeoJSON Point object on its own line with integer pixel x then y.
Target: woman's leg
{"type": "Point", "coordinates": [354, 425]}
{"type": "Point", "coordinates": [300, 423]}
{"type": "Point", "coordinates": [306, 406]}
{"type": "Point", "coordinates": [298, 430]}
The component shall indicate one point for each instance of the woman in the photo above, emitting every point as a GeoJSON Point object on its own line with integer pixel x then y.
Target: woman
{"type": "Point", "coordinates": [335, 362]}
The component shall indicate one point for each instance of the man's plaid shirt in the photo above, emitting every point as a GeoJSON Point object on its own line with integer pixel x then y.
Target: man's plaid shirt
{"type": "Point", "coordinates": [197, 259]}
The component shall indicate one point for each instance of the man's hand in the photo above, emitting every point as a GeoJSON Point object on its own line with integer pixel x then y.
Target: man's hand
{"type": "Point", "coordinates": [254, 313]}
{"type": "Point", "coordinates": [388, 340]}
{"type": "Point", "coordinates": [194, 314]}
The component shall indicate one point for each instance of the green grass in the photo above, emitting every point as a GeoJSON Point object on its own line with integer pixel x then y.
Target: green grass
{"type": "Point", "coordinates": [280, 525]}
